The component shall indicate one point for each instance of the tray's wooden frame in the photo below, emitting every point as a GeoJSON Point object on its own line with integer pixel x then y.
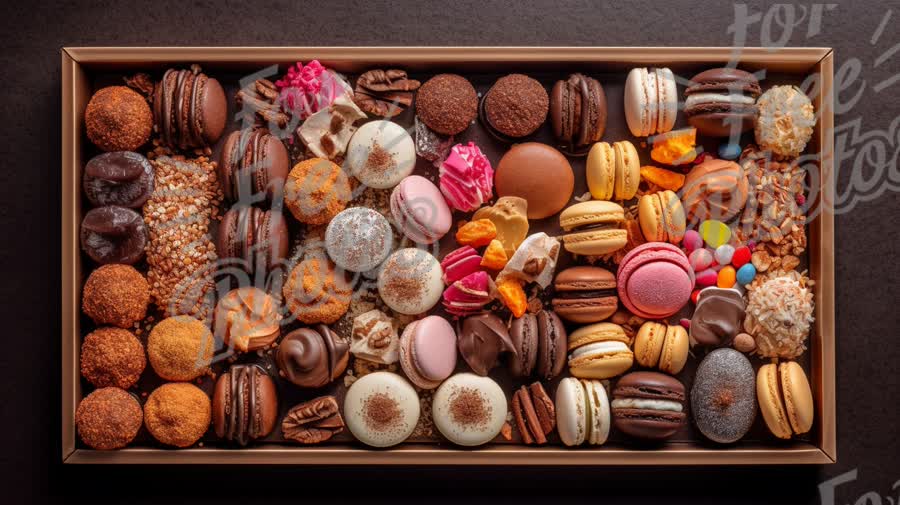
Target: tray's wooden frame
{"type": "Point", "coordinates": [77, 63]}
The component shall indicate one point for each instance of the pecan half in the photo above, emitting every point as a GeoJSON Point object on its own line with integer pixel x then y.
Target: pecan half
{"type": "Point", "coordinates": [262, 99]}
{"type": "Point", "coordinates": [384, 93]}
{"type": "Point", "coordinates": [314, 421]}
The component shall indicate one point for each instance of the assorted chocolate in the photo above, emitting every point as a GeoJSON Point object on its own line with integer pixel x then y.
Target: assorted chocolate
{"type": "Point", "coordinates": [383, 273]}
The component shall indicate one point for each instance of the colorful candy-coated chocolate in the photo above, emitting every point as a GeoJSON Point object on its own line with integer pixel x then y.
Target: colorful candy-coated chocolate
{"type": "Point", "coordinates": [741, 256]}
{"type": "Point", "coordinates": [724, 253]}
{"type": "Point", "coordinates": [695, 296]}
{"type": "Point", "coordinates": [726, 277]}
{"type": "Point", "coordinates": [729, 151]}
{"type": "Point", "coordinates": [700, 259]}
{"type": "Point", "coordinates": [715, 233]}
{"type": "Point", "coordinates": [685, 322]}
{"type": "Point", "coordinates": [692, 241]}
{"type": "Point", "coordinates": [745, 274]}
{"type": "Point", "coordinates": [707, 277]}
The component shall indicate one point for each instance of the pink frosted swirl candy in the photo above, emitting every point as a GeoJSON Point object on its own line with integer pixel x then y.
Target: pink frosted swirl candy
{"type": "Point", "coordinates": [467, 178]}
{"type": "Point", "coordinates": [468, 295]}
{"type": "Point", "coordinates": [460, 263]}
{"type": "Point", "coordinates": [305, 90]}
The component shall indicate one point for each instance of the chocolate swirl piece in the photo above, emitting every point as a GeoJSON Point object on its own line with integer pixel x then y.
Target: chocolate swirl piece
{"type": "Point", "coordinates": [245, 404]}
{"type": "Point", "coordinates": [312, 357]}
{"type": "Point", "coordinates": [314, 421]}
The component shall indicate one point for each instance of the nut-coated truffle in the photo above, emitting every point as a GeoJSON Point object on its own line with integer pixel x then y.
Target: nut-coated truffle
{"type": "Point", "coordinates": [316, 292]}
{"type": "Point", "coordinates": [177, 414]}
{"type": "Point", "coordinates": [108, 418]}
{"type": "Point", "coordinates": [447, 103]}
{"type": "Point", "coordinates": [116, 295]}
{"type": "Point", "coordinates": [180, 348]}
{"type": "Point", "coordinates": [112, 357]}
{"type": "Point", "coordinates": [118, 119]}
{"type": "Point", "coordinates": [316, 190]}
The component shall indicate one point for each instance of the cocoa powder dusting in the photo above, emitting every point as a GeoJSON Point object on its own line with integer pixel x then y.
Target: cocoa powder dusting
{"type": "Point", "coordinates": [468, 408]}
{"type": "Point", "coordinates": [380, 159]}
{"type": "Point", "coordinates": [382, 412]}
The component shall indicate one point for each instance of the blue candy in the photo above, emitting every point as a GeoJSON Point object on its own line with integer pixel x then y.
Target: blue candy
{"type": "Point", "coordinates": [729, 151]}
{"type": "Point", "coordinates": [745, 274]}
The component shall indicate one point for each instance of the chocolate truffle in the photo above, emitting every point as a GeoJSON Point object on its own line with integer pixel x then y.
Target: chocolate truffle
{"type": "Point", "coordinates": [578, 112]}
{"type": "Point", "coordinates": [316, 190]}
{"type": "Point", "coordinates": [538, 173]}
{"type": "Point", "coordinates": [117, 118]}
{"type": "Point", "coordinates": [247, 319]}
{"type": "Point", "coordinates": [481, 339]}
{"type": "Point", "coordinates": [177, 414]}
{"type": "Point", "coordinates": [723, 397]}
{"type": "Point", "coordinates": [515, 106]}
{"type": "Point", "coordinates": [447, 103]}
{"type": "Point", "coordinates": [116, 295]}
{"type": "Point", "coordinates": [114, 235]}
{"type": "Point", "coordinates": [108, 418]}
{"type": "Point", "coordinates": [112, 357]}
{"type": "Point", "coordinates": [122, 178]}
{"type": "Point", "coordinates": [253, 166]}
{"type": "Point", "coordinates": [315, 292]}
{"type": "Point", "coordinates": [189, 109]}
{"type": "Point", "coordinates": [244, 404]}
{"type": "Point", "coordinates": [180, 348]}
{"type": "Point", "coordinates": [312, 357]}
{"type": "Point", "coordinates": [718, 317]}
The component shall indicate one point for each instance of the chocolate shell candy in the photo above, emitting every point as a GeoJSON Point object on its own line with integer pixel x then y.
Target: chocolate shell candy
{"type": "Point", "coordinates": [244, 404]}
{"type": "Point", "coordinates": [122, 178]}
{"type": "Point", "coordinates": [481, 339]}
{"type": "Point", "coordinates": [312, 357]}
{"type": "Point", "coordinates": [113, 234]}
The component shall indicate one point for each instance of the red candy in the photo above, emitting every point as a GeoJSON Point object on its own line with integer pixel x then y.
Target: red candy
{"type": "Point", "coordinates": [695, 295]}
{"type": "Point", "coordinates": [741, 257]}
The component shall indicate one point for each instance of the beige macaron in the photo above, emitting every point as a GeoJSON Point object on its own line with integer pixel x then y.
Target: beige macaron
{"type": "Point", "coordinates": [582, 412]}
{"type": "Point", "coordinates": [628, 170]}
{"type": "Point", "coordinates": [785, 399]}
{"type": "Point", "coordinates": [593, 227]}
{"type": "Point", "coordinates": [661, 346]}
{"type": "Point", "coordinates": [600, 169]}
{"type": "Point", "coordinates": [661, 217]}
{"type": "Point", "coordinates": [599, 351]}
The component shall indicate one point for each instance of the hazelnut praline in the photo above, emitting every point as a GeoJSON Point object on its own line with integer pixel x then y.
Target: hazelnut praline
{"type": "Point", "coordinates": [117, 118]}
{"type": "Point", "coordinates": [117, 295]}
{"type": "Point", "coordinates": [112, 357]}
{"type": "Point", "coordinates": [447, 103]}
{"type": "Point", "coordinates": [177, 414]}
{"type": "Point", "coordinates": [108, 418]}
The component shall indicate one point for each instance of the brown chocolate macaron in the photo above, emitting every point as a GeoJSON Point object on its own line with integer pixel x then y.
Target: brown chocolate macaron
{"type": "Point", "coordinates": [648, 405]}
{"type": "Point", "coordinates": [112, 357]}
{"type": "Point", "coordinates": [515, 107]}
{"type": "Point", "coordinates": [117, 118]}
{"type": "Point", "coordinates": [244, 404]}
{"type": "Point", "coordinates": [189, 109]}
{"type": "Point", "coordinates": [534, 413]}
{"type": "Point", "coordinates": [447, 103]}
{"type": "Point", "coordinates": [108, 418]}
{"type": "Point", "coordinates": [578, 113]}
{"type": "Point", "coordinates": [585, 294]}
{"type": "Point", "coordinates": [722, 101]}
{"type": "Point", "coordinates": [540, 343]}
{"type": "Point", "coordinates": [253, 166]}
{"type": "Point", "coordinates": [312, 357]}
{"type": "Point", "coordinates": [259, 238]}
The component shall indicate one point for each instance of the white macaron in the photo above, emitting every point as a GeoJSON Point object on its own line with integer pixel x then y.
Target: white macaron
{"type": "Point", "coordinates": [469, 409]}
{"type": "Point", "coordinates": [381, 409]}
{"type": "Point", "coordinates": [582, 412]}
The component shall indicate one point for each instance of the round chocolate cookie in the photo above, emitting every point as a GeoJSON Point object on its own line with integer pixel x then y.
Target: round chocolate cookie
{"type": "Point", "coordinates": [447, 103]}
{"type": "Point", "coordinates": [514, 107]}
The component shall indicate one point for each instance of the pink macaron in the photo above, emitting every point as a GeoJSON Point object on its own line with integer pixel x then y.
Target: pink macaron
{"type": "Point", "coordinates": [420, 210]}
{"type": "Point", "coordinates": [428, 351]}
{"type": "Point", "coordinates": [655, 280]}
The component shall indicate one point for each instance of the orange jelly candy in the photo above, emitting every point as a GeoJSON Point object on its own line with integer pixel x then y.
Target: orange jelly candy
{"type": "Point", "coordinates": [477, 233]}
{"type": "Point", "coordinates": [494, 256]}
{"type": "Point", "coordinates": [675, 147]}
{"type": "Point", "coordinates": [512, 294]}
{"type": "Point", "coordinates": [666, 179]}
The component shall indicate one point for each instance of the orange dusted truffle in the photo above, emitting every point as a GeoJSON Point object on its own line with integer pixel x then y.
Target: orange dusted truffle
{"type": "Point", "coordinates": [108, 418]}
{"type": "Point", "coordinates": [316, 293]}
{"type": "Point", "coordinates": [316, 190]}
{"type": "Point", "coordinates": [112, 357]}
{"type": "Point", "coordinates": [116, 295]}
{"type": "Point", "coordinates": [180, 348]}
{"type": "Point", "coordinates": [177, 414]}
{"type": "Point", "coordinates": [118, 119]}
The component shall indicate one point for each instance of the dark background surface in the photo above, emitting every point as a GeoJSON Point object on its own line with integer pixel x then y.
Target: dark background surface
{"type": "Point", "coordinates": [868, 387]}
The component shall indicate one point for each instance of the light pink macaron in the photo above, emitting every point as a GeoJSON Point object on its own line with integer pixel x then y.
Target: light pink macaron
{"type": "Point", "coordinates": [655, 280]}
{"type": "Point", "coordinates": [428, 351]}
{"type": "Point", "coordinates": [420, 210]}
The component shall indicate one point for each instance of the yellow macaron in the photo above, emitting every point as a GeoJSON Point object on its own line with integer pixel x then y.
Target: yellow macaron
{"type": "Point", "coordinates": [600, 169]}
{"type": "Point", "coordinates": [593, 227]}
{"type": "Point", "coordinates": [599, 351]}
{"type": "Point", "coordinates": [628, 170]}
{"type": "Point", "coordinates": [661, 217]}
{"type": "Point", "coordinates": [785, 399]}
{"type": "Point", "coordinates": [661, 346]}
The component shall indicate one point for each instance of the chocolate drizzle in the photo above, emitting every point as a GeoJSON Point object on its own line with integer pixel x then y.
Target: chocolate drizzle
{"type": "Point", "coordinates": [243, 419]}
